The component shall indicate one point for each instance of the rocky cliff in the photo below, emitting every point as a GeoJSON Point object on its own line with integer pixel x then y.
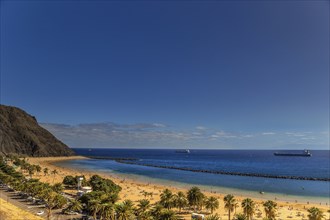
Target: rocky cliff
{"type": "Point", "coordinates": [21, 134]}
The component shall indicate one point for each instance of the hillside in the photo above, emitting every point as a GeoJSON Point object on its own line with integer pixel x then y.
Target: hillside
{"type": "Point", "coordinates": [21, 134]}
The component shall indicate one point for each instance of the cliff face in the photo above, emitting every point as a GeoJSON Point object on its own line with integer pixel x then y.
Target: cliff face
{"type": "Point", "coordinates": [20, 133]}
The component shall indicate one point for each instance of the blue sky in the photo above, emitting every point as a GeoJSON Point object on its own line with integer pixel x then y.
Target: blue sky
{"type": "Point", "coordinates": [204, 74]}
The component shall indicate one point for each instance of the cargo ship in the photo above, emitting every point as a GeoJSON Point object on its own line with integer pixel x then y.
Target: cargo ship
{"type": "Point", "coordinates": [305, 153]}
{"type": "Point", "coordinates": [186, 151]}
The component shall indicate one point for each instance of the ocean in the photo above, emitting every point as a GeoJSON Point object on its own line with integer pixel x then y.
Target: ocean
{"type": "Point", "coordinates": [255, 162]}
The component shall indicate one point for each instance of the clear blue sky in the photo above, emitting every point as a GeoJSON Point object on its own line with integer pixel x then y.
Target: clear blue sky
{"type": "Point", "coordinates": [219, 74]}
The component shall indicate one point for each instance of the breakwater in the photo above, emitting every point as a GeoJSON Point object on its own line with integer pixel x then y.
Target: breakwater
{"type": "Point", "coordinates": [134, 161]}
{"type": "Point", "coordinates": [112, 158]}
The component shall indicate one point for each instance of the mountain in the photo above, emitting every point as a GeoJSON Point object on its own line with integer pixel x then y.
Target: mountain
{"type": "Point", "coordinates": [20, 133]}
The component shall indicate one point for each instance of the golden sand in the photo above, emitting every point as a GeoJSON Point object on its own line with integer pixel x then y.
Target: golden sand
{"type": "Point", "coordinates": [131, 189]}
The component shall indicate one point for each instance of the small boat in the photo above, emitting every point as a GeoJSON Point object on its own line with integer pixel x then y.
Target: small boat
{"type": "Point", "coordinates": [186, 151]}
{"type": "Point", "coordinates": [261, 192]}
{"type": "Point", "coordinates": [89, 149]}
{"type": "Point", "coordinates": [305, 153]}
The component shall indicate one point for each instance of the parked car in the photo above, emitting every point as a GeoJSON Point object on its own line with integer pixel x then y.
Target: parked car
{"type": "Point", "coordinates": [41, 212]}
{"type": "Point", "coordinates": [72, 213]}
{"type": "Point", "coordinates": [197, 216]}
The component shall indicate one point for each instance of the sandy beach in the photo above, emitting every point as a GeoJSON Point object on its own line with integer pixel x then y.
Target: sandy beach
{"type": "Point", "coordinates": [132, 189]}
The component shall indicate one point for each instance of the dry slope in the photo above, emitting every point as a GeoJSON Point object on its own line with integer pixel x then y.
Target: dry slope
{"type": "Point", "coordinates": [21, 134]}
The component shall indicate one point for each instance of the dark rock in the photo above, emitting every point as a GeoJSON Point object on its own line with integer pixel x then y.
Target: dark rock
{"type": "Point", "coordinates": [21, 134]}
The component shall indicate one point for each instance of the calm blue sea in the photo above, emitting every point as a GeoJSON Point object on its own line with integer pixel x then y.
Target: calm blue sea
{"type": "Point", "coordinates": [243, 161]}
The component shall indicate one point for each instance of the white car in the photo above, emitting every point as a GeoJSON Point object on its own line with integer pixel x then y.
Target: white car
{"type": "Point", "coordinates": [73, 213]}
{"type": "Point", "coordinates": [40, 212]}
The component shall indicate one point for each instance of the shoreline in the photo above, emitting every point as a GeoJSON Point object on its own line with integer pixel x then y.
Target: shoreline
{"type": "Point", "coordinates": [132, 186]}
{"type": "Point", "coordinates": [132, 161]}
{"type": "Point", "coordinates": [128, 161]}
{"type": "Point", "coordinates": [139, 179]}
{"type": "Point", "coordinates": [221, 190]}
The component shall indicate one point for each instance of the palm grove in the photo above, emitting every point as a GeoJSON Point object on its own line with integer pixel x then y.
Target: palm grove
{"type": "Point", "coordinates": [104, 201]}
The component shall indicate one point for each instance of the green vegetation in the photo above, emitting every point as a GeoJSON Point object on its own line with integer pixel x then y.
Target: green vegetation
{"type": "Point", "coordinates": [124, 210]}
{"type": "Point", "coordinates": [240, 216]}
{"type": "Point", "coordinates": [180, 201]}
{"type": "Point", "coordinates": [51, 195]}
{"type": "Point", "coordinates": [211, 203]}
{"type": "Point", "coordinates": [248, 207]}
{"type": "Point", "coordinates": [315, 214]}
{"type": "Point", "coordinates": [167, 199]}
{"type": "Point", "coordinates": [46, 171]}
{"type": "Point", "coordinates": [230, 204]}
{"type": "Point", "coordinates": [103, 201]}
{"type": "Point", "coordinates": [213, 217]}
{"type": "Point", "coordinates": [105, 185]}
{"type": "Point", "coordinates": [72, 181]}
{"type": "Point", "coordinates": [195, 198]}
{"type": "Point", "coordinates": [270, 208]}
{"type": "Point", "coordinates": [74, 206]}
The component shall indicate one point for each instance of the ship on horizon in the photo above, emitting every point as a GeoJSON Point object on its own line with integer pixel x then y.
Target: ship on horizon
{"type": "Point", "coordinates": [305, 153]}
{"type": "Point", "coordinates": [186, 151]}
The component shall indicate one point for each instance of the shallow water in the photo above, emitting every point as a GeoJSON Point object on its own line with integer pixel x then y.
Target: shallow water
{"type": "Point", "coordinates": [234, 161]}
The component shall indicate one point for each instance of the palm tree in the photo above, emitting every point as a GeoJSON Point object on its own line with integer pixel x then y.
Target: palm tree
{"type": "Point", "coordinates": [240, 216]}
{"type": "Point", "coordinates": [107, 211]}
{"type": "Point", "coordinates": [94, 207]}
{"type": "Point", "coordinates": [270, 209]}
{"type": "Point", "coordinates": [54, 172]}
{"type": "Point", "coordinates": [37, 188]}
{"type": "Point", "coordinates": [31, 170]}
{"type": "Point", "coordinates": [167, 214]}
{"type": "Point", "coordinates": [201, 202]}
{"type": "Point", "coordinates": [156, 211]}
{"type": "Point", "coordinates": [60, 201]}
{"type": "Point", "coordinates": [124, 210]}
{"type": "Point", "coordinates": [45, 171]}
{"type": "Point", "coordinates": [57, 187]}
{"type": "Point", "coordinates": [54, 200]}
{"type": "Point", "coordinates": [75, 206]}
{"type": "Point", "coordinates": [180, 200]}
{"type": "Point", "coordinates": [195, 197]}
{"type": "Point", "coordinates": [248, 207]}
{"type": "Point", "coordinates": [213, 217]}
{"type": "Point", "coordinates": [38, 168]}
{"type": "Point", "coordinates": [142, 210]}
{"type": "Point", "coordinates": [150, 194]}
{"type": "Point", "coordinates": [236, 206]}
{"type": "Point", "coordinates": [211, 203]}
{"type": "Point", "coordinates": [143, 205]}
{"type": "Point", "coordinates": [315, 214]}
{"type": "Point", "coordinates": [145, 194]}
{"type": "Point", "coordinates": [112, 197]}
{"type": "Point", "coordinates": [230, 203]}
{"type": "Point", "coordinates": [145, 216]}
{"type": "Point", "coordinates": [166, 199]}
{"type": "Point", "coordinates": [17, 185]}
{"type": "Point", "coordinates": [129, 204]}
{"type": "Point", "coordinates": [44, 192]}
